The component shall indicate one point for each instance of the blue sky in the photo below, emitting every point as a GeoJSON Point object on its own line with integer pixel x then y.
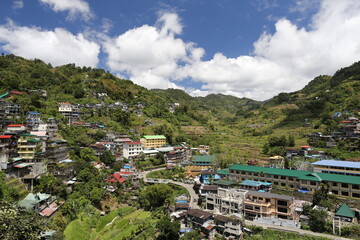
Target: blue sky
{"type": "Point", "coordinates": [247, 48]}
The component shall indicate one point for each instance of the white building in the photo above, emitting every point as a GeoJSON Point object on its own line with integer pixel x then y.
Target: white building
{"type": "Point", "coordinates": [132, 149]}
{"type": "Point", "coordinates": [226, 201]}
{"type": "Point", "coordinates": [4, 157]}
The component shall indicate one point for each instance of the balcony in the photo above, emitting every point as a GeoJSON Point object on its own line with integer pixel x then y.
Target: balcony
{"type": "Point", "coordinates": [259, 203]}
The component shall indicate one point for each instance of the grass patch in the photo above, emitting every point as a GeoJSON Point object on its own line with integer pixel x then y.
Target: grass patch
{"type": "Point", "coordinates": [109, 217]}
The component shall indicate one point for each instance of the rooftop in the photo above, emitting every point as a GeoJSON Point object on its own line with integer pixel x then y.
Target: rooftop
{"type": "Point", "coordinates": [337, 163]}
{"type": "Point", "coordinates": [224, 182]}
{"type": "Point", "coordinates": [345, 211]}
{"type": "Point", "coordinates": [254, 183]}
{"type": "Point", "coordinates": [198, 213]}
{"type": "Point", "coordinates": [154, 137]}
{"type": "Point", "coordinates": [269, 195]}
{"type": "Point", "coordinates": [303, 175]}
{"type": "Point", "coordinates": [203, 158]}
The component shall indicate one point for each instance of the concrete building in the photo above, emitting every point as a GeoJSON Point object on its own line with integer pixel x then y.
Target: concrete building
{"type": "Point", "coordinates": [69, 111]}
{"type": "Point", "coordinates": [259, 204]}
{"type": "Point", "coordinates": [337, 167]}
{"type": "Point", "coordinates": [32, 120]}
{"type": "Point", "coordinates": [342, 185]}
{"type": "Point", "coordinates": [153, 141]}
{"type": "Point", "coordinates": [229, 225]}
{"type": "Point", "coordinates": [226, 201]}
{"type": "Point", "coordinates": [132, 149]}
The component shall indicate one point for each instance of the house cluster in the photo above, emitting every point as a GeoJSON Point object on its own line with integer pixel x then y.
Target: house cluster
{"type": "Point", "coordinates": [32, 149]}
{"type": "Point", "coordinates": [348, 129]}
{"type": "Point", "coordinates": [76, 112]}
{"type": "Point", "coordinates": [245, 192]}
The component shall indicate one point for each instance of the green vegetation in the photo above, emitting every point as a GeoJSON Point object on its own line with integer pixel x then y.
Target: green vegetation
{"type": "Point", "coordinates": [259, 233]}
{"type": "Point", "coordinates": [176, 172]}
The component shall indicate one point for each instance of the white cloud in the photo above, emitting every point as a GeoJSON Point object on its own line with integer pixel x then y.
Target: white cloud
{"type": "Point", "coordinates": [57, 47]}
{"type": "Point", "coordinates": [287, 59]}
{"type": "Point", "coordinates": [282, 61]}
{"type": "Point", "coordinates": [75, 7]}
{"type": "Point", "coordinates": [18, 4]}
{"type": "Point", "coordinates": [151, 55]}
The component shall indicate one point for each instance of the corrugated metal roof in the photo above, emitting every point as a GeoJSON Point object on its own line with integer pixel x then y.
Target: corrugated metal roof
{"type": "Point", "coordinates": [304, 175]}
{"type": "Point", "coordinates": [337, 163]}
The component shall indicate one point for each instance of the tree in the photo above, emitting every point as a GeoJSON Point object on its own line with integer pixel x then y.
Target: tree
{"type": "Point", "coordinates": [317, 220]}
{"type": "Point", "coordinates": [107, 157]}
{"type": "Point", "coordinates": [49, 184]}
{"type": "Point", "coordinates": [18, 223]}
{"type": "Point", "coordinates": [193, 235]}
{"type": "Point", "coordinates": [88, 155]}
{"type": "Point", "coordinates": [321, 195]}
{"type": "Point", "coordinates": [154, 196]}
{"type": "Point", "coordinates": [168, 229]}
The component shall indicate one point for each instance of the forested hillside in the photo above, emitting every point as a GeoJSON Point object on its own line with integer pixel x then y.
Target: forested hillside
{"type": "Point", "coordinates": [235, 128]}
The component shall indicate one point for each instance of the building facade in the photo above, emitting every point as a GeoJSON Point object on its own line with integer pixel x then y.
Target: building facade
{"type": "Point", "coordinates": [132, 149]}
{"type": "Point", "coordinates": [153, 141]}
{"type": "Point", "coordinates": [341, 185]}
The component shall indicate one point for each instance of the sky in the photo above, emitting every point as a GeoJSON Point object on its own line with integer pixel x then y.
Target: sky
{"type": "Point", "coordinates": [246, 48]}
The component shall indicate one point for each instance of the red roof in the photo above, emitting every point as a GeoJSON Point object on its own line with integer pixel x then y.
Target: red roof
{"type": "Point", "coordinates": [305, 146]}
{"type": "Point", "coordinates": [5, 136]}
{"type": "Point", "coordinates": [133, 143]}
{"type": "Point", "coordinates": [116, 177]}
{"type": "Point", "coordinates": [15, 125]}
{"type": "Point", "coordinates": [98, 145]}
{"type": "Point", "coordinates": [65, 103]}
{"type": "Point", "coordinates": [16, 92]}
{"type": "Point", "coordinates": [345, 122]}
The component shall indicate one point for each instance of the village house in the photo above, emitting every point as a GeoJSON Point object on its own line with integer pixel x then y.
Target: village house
{"type": "Point", "coordinates": [229, 226]}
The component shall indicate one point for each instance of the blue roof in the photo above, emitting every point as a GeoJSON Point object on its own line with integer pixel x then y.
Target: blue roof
{"type": "Point", "coordinates": [35, 113]}
{"type": "Point", "coordinates": [254, 183]}
{"type": "Point", "coordinates": [337, 163]}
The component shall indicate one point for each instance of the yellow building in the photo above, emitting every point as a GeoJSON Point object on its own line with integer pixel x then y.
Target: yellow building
{"type": "Point", "coordinates": [259, 204]}
{"type": "Point", "coordinates": [153, 141]}
{"type": "Point", "coordinates": [28, 146]}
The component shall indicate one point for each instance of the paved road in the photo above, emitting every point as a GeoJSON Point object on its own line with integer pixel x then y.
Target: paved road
{"type": "Point", "coordinates": [295, 230]}
{"type": "Point", "coordinates": [193, 204]}
{"type": "Point", "coordinates": [189, 187]}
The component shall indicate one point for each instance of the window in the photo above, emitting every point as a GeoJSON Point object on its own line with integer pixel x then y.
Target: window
{"type": "Point", "coordinates": [276, 183]}
{"type": "Point", "coordinates": [282, 202]}
{"type": "Point", "coordinates": [335, 192]}
{"type": "Point", "coordinates": [343, 193]}
{"type": "Point", "coordinates": [335, 184]}
{"type": "Point", "coordinates": [283, 184]}
{"type": "Point", "coordinates": [313, 183]}
{"type": "Point", "coordinates": [355, 186]}
{"type": "Point", "coordinates": [283, 210]}
{"type": "Point", "coordinates": [356, 195]}
{"type": "Point", "coordinates": [283, 177]}
{"type": "Point", "coordinates": [291, 179]}
{"type": "Point", "coordinates": [344, 185]}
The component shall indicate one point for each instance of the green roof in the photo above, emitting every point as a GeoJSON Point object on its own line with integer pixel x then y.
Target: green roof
{"type": "Point", "coordinates": [26, 134]}
{"type": "Point", "coordinates": [345, 211]}
{"type": "Point", "coordinates": [223, 172]}
{"type": "Point", "coordinates": [203, 158]}
{"type": "Point", "coordinates": [302, 175]}
{"type": "Point", "coordinates": [31, 200]}
{"type": "Point", "coordinates": [34, 140]}
{"type": "Point", "coordinates": [224, 182]}
{"type": "Point", "coordinates": [154, 137]}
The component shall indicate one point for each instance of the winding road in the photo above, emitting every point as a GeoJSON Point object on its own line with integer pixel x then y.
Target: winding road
{"type": "Point", "coordinates": [188, 187]}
